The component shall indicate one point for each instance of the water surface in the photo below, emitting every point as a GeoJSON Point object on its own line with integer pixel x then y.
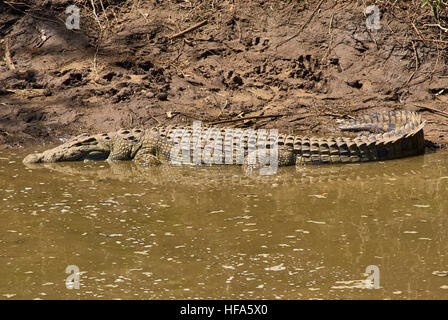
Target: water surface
{"type": "Point", "coordinates": [218, 233]}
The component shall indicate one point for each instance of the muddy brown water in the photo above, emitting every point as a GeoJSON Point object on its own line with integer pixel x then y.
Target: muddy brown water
{"type": "Point", "coordinates": [216, 232]}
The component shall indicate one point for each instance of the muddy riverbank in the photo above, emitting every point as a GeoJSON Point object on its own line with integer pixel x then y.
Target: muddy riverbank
{"type": "Point", "coordinates": [306, 64]}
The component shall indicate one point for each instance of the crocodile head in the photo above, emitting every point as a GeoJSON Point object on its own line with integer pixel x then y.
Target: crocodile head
{"type": "Point", "coordinates": [83, 147]}
{"type": "Point", "coordinates": [120, 145]}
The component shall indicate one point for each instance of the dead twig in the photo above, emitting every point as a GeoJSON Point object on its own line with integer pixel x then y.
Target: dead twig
{"type": "Point", "coordinates": [417, 65]}
{"type": "Point", "coordinates": [247, 118]}
{"type": "Point", "coordinates": [192, 28]}
{"type": "Point", "coordinates": [104, 12]}
{"type": "Point", "coordinates": [155, 119]}
{"type": "Point", "coordinates": [338, 115]}
{"type": "Point", "coordinates": [8, 56]}
{"type": "Point", "coordinates": [433, 110]}
{"type": "Point", "coordinates": [303, 26]}
{"type": "Point", "coordinates": [428, 40]}
{"type": "Point", "coordinates": [330, 29]}
{"type": "Point", "coordinates": [437, 25]}
{"type": "Point", "coordinates": [417, 31]}
{"type": "Point", "coordinates": [95, 60]}
{"type": "Point", "coordinates": [95, 15]}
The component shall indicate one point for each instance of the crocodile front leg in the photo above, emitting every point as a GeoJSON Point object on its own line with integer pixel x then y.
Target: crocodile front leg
{"type": "Point", "coordinates": [267, 161]}
{"type": "Point", "coordinates": [146, 159]}
{"type": "Point", "coordinates": [153, 151]}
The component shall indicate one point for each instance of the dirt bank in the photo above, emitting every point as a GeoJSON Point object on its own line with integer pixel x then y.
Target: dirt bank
{"type": "Point", "coordinates": [305, 63]}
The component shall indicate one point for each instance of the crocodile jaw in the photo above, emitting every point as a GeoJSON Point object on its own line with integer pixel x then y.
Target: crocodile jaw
{"type": "Point", "coordinates": [74, 154]}
{"type": "Point", "coordinates": [78, 149]}
{"type": "Point", "coordinates": [33, 158]}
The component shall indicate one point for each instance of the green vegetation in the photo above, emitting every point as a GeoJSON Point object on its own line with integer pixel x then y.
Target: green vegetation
{"type": "Point", "coordinates": [436, 5]}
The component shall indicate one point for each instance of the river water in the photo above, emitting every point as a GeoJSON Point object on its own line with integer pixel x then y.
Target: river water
{"type": "Point", "coordinates": [219, 233]}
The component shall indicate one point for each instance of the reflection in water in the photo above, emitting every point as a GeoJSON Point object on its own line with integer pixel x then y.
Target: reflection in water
{"type": "Point", "coordinates": [216, 232]}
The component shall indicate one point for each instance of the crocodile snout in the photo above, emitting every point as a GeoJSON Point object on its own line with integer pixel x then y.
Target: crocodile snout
{"type": "Point", "coordinates": [33, 158]}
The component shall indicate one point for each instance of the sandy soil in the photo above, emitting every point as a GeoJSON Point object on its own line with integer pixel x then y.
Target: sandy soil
{"type": "Point", "coordinates": [305, 63]}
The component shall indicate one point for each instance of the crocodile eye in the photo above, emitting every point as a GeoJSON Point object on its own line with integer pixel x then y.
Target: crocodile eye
{"type": "Point", "coordinates": [107, 138]}
{"type": "Point", "coordinates": [138, 130]}
{"type": "Point", "coordinates": [125, 132]}
{"type": "Point", "coordinates": [88, 141]}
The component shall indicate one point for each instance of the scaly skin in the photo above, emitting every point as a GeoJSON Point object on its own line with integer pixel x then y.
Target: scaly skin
{"type": "Point", "coordinates": [401, 135]}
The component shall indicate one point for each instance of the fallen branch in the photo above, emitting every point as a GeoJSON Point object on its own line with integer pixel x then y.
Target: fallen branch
{"type": "Point", "coordinates": [428, 40]}
{"type": "Point", "coordinates": [247, 118]}
{"type": "Point", "coordinates": [194, 27]}
{"type": "Point", "coordinates": [437, 25]}
{"type": "Point", "coordinates": [440, 112]}
{"type": "Point", "coordinates": [8, 56]}
{"type": "Point", "coordinates": [337, 115]}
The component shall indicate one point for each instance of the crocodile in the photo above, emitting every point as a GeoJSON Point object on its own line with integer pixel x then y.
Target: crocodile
{"type": "Point", "coordinates": [384, 136]}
